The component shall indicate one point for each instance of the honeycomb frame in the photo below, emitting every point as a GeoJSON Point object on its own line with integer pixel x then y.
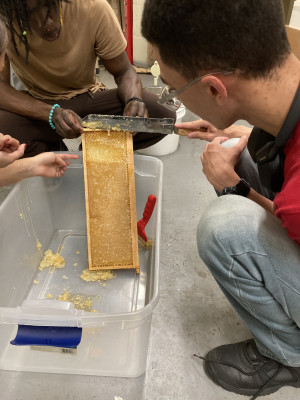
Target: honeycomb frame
{"type": "Point", "coordinates": [110, 199]}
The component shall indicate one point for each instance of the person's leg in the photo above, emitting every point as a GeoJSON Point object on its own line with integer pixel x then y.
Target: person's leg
{"type": "Point", "coordinates": [257, 266]}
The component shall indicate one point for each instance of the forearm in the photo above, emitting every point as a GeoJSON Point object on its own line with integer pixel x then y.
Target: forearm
{"type": "Point", "coordinates": [129, 85]}
{"type": "Point", "coordinates": [20, 169]}
{"type": "Point", "coordinates": [23, 104]}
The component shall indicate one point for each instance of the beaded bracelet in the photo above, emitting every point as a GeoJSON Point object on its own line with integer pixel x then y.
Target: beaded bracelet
{"type": "Point", "coordinates": [133, 99]}
{"type": "Point", "coordinates": [51, 115]}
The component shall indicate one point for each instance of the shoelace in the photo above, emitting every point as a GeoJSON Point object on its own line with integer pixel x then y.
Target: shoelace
{"type": "Point", "coordinates": [264, 386]}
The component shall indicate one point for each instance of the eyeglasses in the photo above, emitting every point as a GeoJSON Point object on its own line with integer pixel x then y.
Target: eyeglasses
{"type": "Point", "coordinates": [168, 94]}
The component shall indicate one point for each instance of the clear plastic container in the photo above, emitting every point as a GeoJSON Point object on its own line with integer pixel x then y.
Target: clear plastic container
{"type": "Point", "coordinates": [51, 212]}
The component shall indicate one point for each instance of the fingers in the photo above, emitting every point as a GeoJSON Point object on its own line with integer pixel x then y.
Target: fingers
{"type": "Point", "coordinates": [136, 109]}
{"type": "Point", "coordinates": [68, 156]}
{"type": "Point", "coordinates": [60, 159]}
{"type": "Point", "coordinates": [71, 125]}
{"type": "Point", "coordinates": [21, 150]}
{"type": "Point", "coordinates": [219, 139]}
{"type": "Point", "coordinates": [68, 124]}
{"type": "Point", "coordinates": [195, 125]}
{"type": "Point", "coordinates": [8, 144]}
{"type": "Point", "coordinates": [204, 135]}
{"type": "Point", "coordinates": [60, 163]}
{"type": "Point", "coordinates": [242, 142]}
{"type": "Point", "coordinates": [14, 155]}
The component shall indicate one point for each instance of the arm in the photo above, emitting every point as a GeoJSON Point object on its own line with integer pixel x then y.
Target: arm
{"type": "Point", "coordinates": [129, 84]}
{"type": "Point", "coordinates": [218, 166]}
{"type": "Point", "coordinates": [206, 131]}
{"type": "Point", "coordinates": [67, 123]}
{"type": "Point", "coordinates": [48, 165]}
{"type": "Point", "coordinates": [20, 103]}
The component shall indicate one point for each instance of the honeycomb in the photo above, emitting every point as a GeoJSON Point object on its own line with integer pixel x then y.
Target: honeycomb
{"type": "Point", "coordinates": [110, 200]}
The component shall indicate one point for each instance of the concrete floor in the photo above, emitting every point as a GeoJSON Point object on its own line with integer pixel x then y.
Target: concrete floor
{"type": "Point", "coordinates": [192, 315]}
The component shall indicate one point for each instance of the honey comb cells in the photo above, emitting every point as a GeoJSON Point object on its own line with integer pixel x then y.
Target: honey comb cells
{"type": "Point", "coordinates": [110, 200]}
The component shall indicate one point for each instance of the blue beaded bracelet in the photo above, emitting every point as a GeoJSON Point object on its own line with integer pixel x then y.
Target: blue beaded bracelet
{"type": "Point", "coordinates": [51, 115]}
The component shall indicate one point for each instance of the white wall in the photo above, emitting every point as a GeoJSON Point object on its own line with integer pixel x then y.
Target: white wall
{"type": "Point", "coordinates": [140, 47]}
{"type": "Point", "coordinates": [295, 19]}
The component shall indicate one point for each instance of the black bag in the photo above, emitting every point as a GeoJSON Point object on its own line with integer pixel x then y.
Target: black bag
{"type": "Point", "coordinates": [268, 151]}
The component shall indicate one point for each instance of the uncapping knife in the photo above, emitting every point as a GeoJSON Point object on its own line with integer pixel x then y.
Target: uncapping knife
{"type": "Point", "coordinates": [132, 124]}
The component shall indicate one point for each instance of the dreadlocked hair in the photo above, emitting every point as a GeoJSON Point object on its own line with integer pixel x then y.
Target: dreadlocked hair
{"type": "Point", "coordinates": [3, 37]}
{"type": "Point", "coordinates": [15, 15]}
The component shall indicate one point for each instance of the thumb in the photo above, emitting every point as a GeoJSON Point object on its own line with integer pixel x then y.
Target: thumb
{"type": "Point", "coordinates": [242, 143]}
{"type": "Point", "coordinates": [17, 153]}
{"type": "Point", "coordinates": [20, 151]}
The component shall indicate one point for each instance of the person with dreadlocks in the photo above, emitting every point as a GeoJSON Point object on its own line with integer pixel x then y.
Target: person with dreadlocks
{"type": "Point", "coordinates": [13, 170]}
{"type": "Point", "coordinates": [53, 49]}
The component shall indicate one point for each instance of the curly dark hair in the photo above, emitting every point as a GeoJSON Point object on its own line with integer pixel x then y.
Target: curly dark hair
{"type": "Point", "coordinates": [195, 35]}
{"type": "Point", "coordinates": [15, 14]}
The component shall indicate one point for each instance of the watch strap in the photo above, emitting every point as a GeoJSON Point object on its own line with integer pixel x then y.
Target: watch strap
{"type": "Point", "coordinates": [242, 188]}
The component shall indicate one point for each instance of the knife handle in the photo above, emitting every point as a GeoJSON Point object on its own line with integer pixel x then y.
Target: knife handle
{"type": "Point", "coordinates": [183, 132]}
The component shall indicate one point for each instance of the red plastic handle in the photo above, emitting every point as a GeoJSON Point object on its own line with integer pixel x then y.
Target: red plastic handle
{"type": "Point", "coordinates": [148, 209]}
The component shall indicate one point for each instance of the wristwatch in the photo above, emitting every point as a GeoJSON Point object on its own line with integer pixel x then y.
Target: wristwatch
{"type": "Point", "coordinates": [241, 189]}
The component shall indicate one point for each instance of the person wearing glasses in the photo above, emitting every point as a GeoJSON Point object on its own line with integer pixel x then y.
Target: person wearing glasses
{"type": "Point", "coordinates": [233, 61]}
{"type": "Point", "coordinates": [53, 49]}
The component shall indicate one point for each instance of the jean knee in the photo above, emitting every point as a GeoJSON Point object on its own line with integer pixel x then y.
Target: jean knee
{"type": "Point", "coordinates": [225, 225]}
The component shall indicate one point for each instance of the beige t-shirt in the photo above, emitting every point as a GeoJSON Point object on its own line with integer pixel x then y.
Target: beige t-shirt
{"type": "Point", "coordinates": [66, 67]}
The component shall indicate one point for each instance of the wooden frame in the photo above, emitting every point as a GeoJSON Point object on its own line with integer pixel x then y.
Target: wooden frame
{"type": "Point", "coordinates": [110, 200]}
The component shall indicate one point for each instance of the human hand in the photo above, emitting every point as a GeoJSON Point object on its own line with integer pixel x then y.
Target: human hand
{"type": "Point", "coordinates": [10, 150]}
{"type": "Point", "coordinates": [67, 123]}
{"type": "Point", "coordinates": [218, 162]}
{"type": "Point", "coordinates": [49, 165]}
{"type": "Point", "coordinates": [136, 109]}
{"type": "Point", "coordinates": [201, 129]}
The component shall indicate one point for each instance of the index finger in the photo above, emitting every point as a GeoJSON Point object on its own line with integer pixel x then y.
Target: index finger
{"type": "Point", "coordinates": [195, 125]}
{"type": "Point", "coordinates": [68, 156]}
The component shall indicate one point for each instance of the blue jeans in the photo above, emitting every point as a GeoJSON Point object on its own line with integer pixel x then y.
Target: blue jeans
{"type": "Point", "coordinates": [257, 266]}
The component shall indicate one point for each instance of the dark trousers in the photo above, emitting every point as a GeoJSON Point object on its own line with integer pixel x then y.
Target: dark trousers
{"type": "Point", "coordinates": [40, 137]}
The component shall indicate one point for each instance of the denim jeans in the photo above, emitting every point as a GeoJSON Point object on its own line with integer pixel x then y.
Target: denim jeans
{"type": "Point", "coordinates": [257, 266]}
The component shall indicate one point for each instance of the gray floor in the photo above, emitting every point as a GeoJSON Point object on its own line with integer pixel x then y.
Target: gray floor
{"type": "Point", "coordinates": [192, 315]}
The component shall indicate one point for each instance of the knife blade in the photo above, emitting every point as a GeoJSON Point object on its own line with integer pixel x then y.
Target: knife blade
{"type": "Point", "coordinates": [132, 124]}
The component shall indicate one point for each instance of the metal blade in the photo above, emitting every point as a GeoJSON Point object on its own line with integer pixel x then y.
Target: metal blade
{"type": "Point", "coordinates": [131, 124]}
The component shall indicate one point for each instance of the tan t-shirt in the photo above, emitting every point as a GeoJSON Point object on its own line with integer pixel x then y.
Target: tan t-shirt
{"type": "Point", "coordinates": [66, 67]}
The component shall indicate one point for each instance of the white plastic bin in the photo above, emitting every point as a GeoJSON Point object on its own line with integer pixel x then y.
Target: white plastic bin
{"type": "Point", "coordinates": [169, 144]}
{"type": "Point", "coordinates": [52, 211]}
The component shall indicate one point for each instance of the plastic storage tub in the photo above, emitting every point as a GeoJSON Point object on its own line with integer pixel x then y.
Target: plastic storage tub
{"type": "Point", "coordinates": [168, 144]}
{"type": "Point", "coordinates": [52, 212]}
